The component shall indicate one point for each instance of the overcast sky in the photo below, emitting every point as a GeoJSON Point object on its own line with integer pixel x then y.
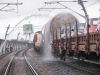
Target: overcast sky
{"type": "Point", "coordinates": [30, 7]}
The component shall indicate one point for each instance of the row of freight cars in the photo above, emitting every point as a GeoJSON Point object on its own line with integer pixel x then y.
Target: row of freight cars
{"type": "Point", "coordinates": [78, 44]}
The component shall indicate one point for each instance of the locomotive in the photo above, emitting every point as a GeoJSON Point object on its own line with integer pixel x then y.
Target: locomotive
{"type": "Point", "coordinates": [38, 41]}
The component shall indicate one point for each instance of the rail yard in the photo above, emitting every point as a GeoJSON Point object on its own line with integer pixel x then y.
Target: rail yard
{"type": "Point", "coordinates": [56, 43]}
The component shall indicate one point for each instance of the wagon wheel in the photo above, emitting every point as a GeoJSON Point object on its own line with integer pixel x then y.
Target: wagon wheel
{"type": "Point", "coordinates": [78, 58]}
{"type": "Point", "coordinates": [88, 52]}
{"type": "Point", "coordinates": [83, 58]}
{"type": "Point", "coordinates": [97, 52]}
{"type": "Point", "coordinates": [64, 58]}
{"type": "Point", "coordinates": [61, 57]}
{"type": "Point", "coordinates": [75, 53]}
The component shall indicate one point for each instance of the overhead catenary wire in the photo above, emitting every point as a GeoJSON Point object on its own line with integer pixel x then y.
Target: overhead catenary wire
{"type": "Point", "coordinates": [50, 11]}
{"type": "Point", "coordinates": [80, 6]}
{"type": "Point", "coordinates": [3, 7]}
{"type": "Point", "coordinates": [41, 22]}
{"type": "Point", "coordinates": [91, 4]}
{"type": "Point", "coordinates": [7, 5]}
{"type": "Point", "coordinates": [43, 6]}
{"type": "Point", "coordinates": [9, 11]}
{"type": "Point", "coordinates": [11, 7]}
{"type": "Point", "coordinates": [46, 13]}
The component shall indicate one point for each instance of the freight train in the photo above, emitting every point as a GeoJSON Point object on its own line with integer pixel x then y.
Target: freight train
{"type": "Point", "coordinates": [64, 44]}
{"type": "Point", "coordinates": [83, 46]}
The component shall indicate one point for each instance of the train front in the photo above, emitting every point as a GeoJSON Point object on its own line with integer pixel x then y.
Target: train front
{"type": "Point", "coordinates": [38, 41]}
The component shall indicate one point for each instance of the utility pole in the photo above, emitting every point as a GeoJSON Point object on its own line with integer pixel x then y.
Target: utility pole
{"type": "Point", "coordinates": [25, 38]}
{"type": "Point", "coordinates": [87, 22]}
{"type": "Point", "coordinates": [18, 35]}
{"type": "Point", "coordinates": [7, 31]}
{"type": "Point", "coordinates": [3, 47]}
{"type": "Point", "coordinates": [29, 35]}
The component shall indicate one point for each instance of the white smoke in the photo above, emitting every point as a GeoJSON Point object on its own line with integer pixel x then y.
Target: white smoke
{"type": "Point", "coordinates": [47, 42]}
{"type": "Point", "coordinates": [54, 23]}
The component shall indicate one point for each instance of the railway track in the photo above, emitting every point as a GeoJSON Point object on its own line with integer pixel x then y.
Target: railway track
{"type": "Point", "coordinates": [88, 70]}
{"type": "Point", "coordinates": [29, 65]}
{"type": "Point", "coordinates": [10, 65]}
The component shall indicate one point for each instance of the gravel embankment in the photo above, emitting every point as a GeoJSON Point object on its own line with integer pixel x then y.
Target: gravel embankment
{"type": "Point", "coordinates": [36, 62]}
{"type": "Point", "coordinates": [53, 67]}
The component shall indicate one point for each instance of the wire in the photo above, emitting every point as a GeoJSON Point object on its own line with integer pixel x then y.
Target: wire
{"type": "Point", "coordinates": [45, 13]}
{"type": "Point", "coordinates": [43, 6]}
{"type": "Point", "coordinates": [3, 7]}
{"type": "Point", "coordinates": [10, 11]}
{"type": "Point", "coordinates": [91, 4]}
{"type": "Point", "coordinates": [50, 12]}
{"type": "Point", "coordinates": [80, 6]}
{"type": "Point", "coordinates": [11, 7]}
{"type": "Point", "coordinates": [53, 8]}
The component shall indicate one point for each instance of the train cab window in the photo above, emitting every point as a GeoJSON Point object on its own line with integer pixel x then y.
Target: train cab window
{"type": "Point", "coordinates": [80, 26]}
{"type": "Point", "coordinates": [95, 21]}
{"type": "Point", "coordinates": [99, 20]}
{"type": "Point", "coordinates": [98, 25]}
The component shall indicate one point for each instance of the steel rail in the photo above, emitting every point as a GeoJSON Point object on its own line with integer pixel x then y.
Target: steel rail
{"type": "Point", "coordinates": [29, 65]}
{"type": "Point", "coordinates": [9, 64]}
{"type": "Point", "coordinates": [91, 71]}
